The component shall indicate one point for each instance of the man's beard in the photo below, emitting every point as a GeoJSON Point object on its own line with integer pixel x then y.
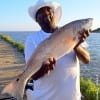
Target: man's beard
{"type": "Point", "coordinates": [47, 27]}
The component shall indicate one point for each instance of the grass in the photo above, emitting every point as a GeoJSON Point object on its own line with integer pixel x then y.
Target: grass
{"type": "Point", "coordinates": [18, 45]}
{"type": "Point", "coordinates": [89, 89]}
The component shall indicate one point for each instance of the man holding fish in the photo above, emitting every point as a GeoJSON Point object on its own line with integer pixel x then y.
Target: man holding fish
{"type": "Point", "coordinates": [56, 80]}
{"type": "Point", "coordinates": [52, 57]}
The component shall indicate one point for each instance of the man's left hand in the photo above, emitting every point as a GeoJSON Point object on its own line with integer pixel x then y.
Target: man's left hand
{"type": "Point", "coordinates": [83, 35]}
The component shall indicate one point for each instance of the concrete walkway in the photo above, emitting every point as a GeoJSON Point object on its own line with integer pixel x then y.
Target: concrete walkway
{"type": "Point", "coordinates": [11, 64]}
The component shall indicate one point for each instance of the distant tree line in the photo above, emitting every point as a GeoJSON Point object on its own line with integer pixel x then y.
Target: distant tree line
{"type": "Point", "coordinates": [96, 30]}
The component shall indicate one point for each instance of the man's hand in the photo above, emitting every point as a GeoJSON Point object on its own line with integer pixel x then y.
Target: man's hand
{"type": "Point", "coordinates": [46, 68]}
{"type": "Point", "coordinates": [81, 52]}
{"type": "Point", "coordinates": [83, 35]}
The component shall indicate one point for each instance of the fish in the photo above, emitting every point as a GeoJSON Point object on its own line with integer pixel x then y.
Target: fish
{"type": "Point", "coordinates": [61, 42]}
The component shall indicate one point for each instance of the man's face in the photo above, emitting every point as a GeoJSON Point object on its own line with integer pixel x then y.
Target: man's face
{"type": "Point", "coordinates": [45, 18]}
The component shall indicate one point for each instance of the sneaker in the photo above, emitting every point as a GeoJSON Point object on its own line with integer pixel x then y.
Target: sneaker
{"type": "Point", "coordinates": [30, 85]}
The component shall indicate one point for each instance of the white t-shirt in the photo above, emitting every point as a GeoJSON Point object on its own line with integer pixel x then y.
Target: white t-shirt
{"type": "Point", "coordinates": [63, 83]}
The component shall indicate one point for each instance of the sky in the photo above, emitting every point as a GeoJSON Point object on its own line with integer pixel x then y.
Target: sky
{"type": "Point", "coordinates": [14, 13]}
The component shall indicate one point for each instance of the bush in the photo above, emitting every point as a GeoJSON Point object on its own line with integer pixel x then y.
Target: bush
{"type": "Point", "coordinates": [20, 46]}
{"type": "Point", "coordinates": [7, 38]}
{"type": "Point", "coordinates": [89, 89]}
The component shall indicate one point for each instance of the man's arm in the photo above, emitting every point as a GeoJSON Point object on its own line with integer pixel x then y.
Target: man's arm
{"type": "Point", "coordinates": [81, 52]}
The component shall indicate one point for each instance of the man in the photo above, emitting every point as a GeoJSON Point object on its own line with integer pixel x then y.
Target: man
{"type": "Point", "coordinates": [56, 80]}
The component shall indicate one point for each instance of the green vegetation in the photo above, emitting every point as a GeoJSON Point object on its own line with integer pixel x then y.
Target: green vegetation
{"type": "Point", "coordinates": [7, 38]}
{"type": "Point", "coordinates": [88, 88]}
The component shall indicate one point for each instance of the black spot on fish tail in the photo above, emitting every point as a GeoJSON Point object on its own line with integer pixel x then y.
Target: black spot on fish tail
{"type": "Point", "coordinates": [17, 79]}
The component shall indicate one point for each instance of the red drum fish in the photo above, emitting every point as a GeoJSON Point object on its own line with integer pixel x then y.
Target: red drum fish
{"type": "Point", "coordinates": [57, 45]}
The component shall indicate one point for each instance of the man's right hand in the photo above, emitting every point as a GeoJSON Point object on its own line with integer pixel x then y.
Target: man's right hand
{"type": "Point", "coordinates": [46, 68]}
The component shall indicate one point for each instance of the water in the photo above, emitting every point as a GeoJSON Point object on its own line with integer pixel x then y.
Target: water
{"type": "Point", "coordinates": [18, 36]}
{"type": "Point", "coordinates": [91, 70]}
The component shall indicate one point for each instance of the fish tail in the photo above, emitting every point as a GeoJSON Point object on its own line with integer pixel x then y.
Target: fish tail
{"type": "Point", "coordinates": [15, 89]}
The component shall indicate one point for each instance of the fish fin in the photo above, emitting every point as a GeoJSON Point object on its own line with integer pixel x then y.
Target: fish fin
{"type": "Point", "coordinates": [15, 89]}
